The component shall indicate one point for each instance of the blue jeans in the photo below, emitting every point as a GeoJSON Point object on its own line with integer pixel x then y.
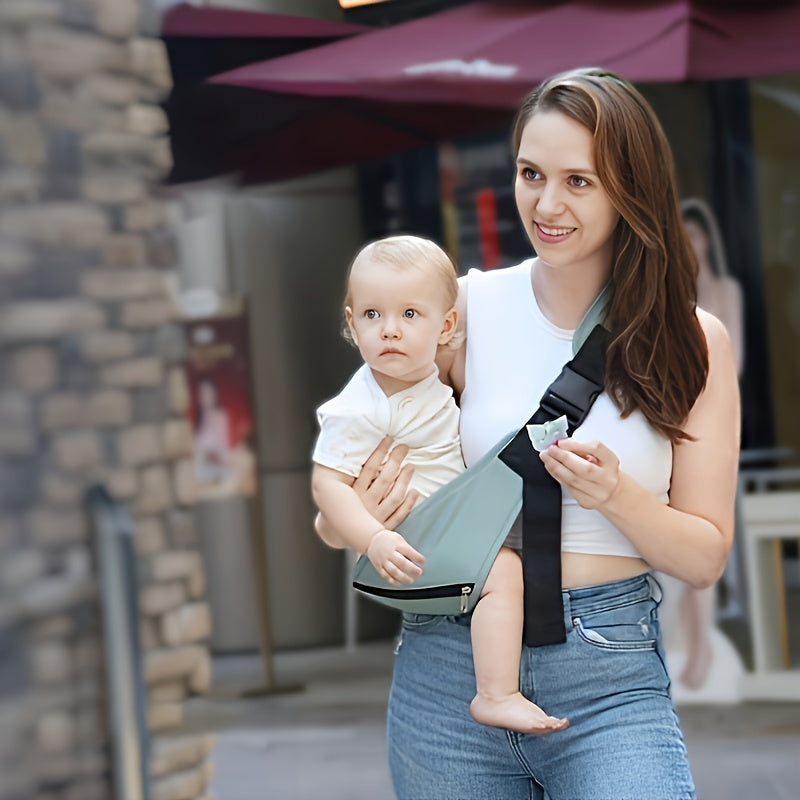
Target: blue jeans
{"type": "Point", "coordinates": [609, 678]}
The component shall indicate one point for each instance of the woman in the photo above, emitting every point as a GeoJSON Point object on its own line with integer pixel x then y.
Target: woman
{"type": "Point", "coordinates": [648, 480]}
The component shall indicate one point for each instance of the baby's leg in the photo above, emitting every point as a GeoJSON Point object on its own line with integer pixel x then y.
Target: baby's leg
{"type": "Point", "coordinates": [496, 648]}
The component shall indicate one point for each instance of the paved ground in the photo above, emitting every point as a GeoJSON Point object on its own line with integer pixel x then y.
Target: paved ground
{"type": "Point", "coordinates": [328, 741]}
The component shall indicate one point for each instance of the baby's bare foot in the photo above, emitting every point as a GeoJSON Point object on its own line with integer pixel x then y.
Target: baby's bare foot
{"type": "Point", "coordinates": [514, 713]}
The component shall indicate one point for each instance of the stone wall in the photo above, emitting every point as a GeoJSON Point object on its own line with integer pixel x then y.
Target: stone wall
{"type": "Point", "coordinates": [90, 391]}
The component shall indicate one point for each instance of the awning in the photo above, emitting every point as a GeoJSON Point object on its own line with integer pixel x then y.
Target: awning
{"type": "Point", "coordinates": [460, 71]}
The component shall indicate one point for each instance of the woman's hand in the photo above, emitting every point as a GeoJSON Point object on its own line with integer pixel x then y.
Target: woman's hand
{"type": "Point", "coordinates": [382, 484]}
{"type": "Point", "coordinates": [394, 558]}
{"type": "Point", "coordinates": [588, 469]}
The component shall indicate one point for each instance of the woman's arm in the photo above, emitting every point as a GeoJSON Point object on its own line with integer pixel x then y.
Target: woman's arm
{"type": "Point", "coordinates": [692, 536]}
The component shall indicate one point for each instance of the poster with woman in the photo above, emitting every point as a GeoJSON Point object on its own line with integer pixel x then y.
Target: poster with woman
{"type": "Point", "coordinates": [220, 408]}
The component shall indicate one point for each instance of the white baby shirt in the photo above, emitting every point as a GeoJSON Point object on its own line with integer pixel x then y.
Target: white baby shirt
{"type": "Point", "coordinates": [424, 417]}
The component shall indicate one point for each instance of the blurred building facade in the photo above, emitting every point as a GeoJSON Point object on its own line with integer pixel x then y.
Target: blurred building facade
{"type": "Point", "coordinates": [89, 393]}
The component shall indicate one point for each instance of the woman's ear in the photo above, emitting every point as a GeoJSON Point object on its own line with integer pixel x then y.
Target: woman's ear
{"type": "Point", "coordinates": [449, 326]}
{"type": "Point", "coordinates": [348, 315]}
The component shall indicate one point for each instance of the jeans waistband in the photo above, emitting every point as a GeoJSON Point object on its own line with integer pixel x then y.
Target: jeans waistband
{"type": "Point", "coordinates": [588, 599]}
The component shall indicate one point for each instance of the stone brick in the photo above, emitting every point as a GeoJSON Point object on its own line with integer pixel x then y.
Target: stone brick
{"type": "Point", "coordinates": [25, 12]}
{"type": "Point", "coordinates": [164, 716]}
{"type": "Point", "coordinates": [147, 119]}
{"type": "Point", "coordinates": [14, 259]}
{"type": "Point", "coordinates": [35, 368]}
{"type": "Point", "coordinates": [20, 185]}
{"type": "Point", "coordinates": [37, 320]}
{"type": "Point", "coordinates": [115, 90]}
{"type": "Point", "coordinates": [139, 445]}
{"type": "Point", "coordinates": [174, 564]}
{"type": "Point", "coordinates": [182, 785]}
{"type": "Point", "coordinates": [125, 250]}
{"type": "Point", "coordinates": [137, 372]}
{"type": "Point", "coordinates": [113, 188]}
{"type": "Point", "coordinates": [24, 141]}
{"type": "Point", "coordinates": [144, 216]}
{"type": "Point", "coordinates": [178, 391]}
{"type": "Point", "coordinates": [117, 18]}
{"type": "Point", "coordinates": [186, 624]}
{"type": "Point", "coordinates": [170, 343]}
{"type": "Point", "coordinates": [148, 313]}
{"type": "Point", "coordinates": [172, 663]}
{"type": "Point", "coordinates": [67, 55]}
{"type": "Point", "coordinates": [148, 60]}
{"type": "Point", "coordinates": [105, 345]}
{"type": "Point", "coordinates": [122, 484]}
{"type": "Point", "coordinates": [51, 661]}
{"type": "Point", "coordinates": [128, 284]}
{"type": "Point", "coordinates": [148, 634]}
{"type": "Point", "coordinates": [201, 676]}
{"type": "Point", "coordinates": [19, 568]}
{"type": "Point", "coordinates": [155, 492]}
{"type": "Point", "coordinates": [183, 477]}
{"type": "Point", "coordinates": [175, 753]}
{"type": "Point", "coordinates": [55, 732]}
{"type": "Point", "coordinates": [58, 224]}
{"type": "Point", "coordinates": [109, 407]}
{"type": "Point", "coordinates": [178, 439]}
{"type": "Point", "coordinates": [77, 450]}
{"type": "Point", "coordinates": [148, 536]}
{"type": "Point", "coordinates": [196, 584]}
{"type": "Point", "coordinates": [182, 528]}
{"type": "Point", "coordinates": [62, 410]}
{"type": "Point", "coordinates": [117, 147]}
{"type": "Point", "coordinates": [51, 526]}
{"type": "Point", "coordinates": [170, 692]}
{"type": "Point", "coordinates": [58, 490]}
{"type": "Point", "coordinates": [157, 598]}
{"type": "Point", "coordinates": [17, 432]}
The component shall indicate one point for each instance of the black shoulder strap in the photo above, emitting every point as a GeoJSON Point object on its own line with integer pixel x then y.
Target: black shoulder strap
{"type": "Point", "coordinates": [571, 394]}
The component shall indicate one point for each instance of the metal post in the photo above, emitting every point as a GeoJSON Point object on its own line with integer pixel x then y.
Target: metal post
{"type": "Point", "coordinates": [119, 591]}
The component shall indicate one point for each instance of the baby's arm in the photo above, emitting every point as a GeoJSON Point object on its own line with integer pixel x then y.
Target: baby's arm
{"type": "Point", "coordinates": [351, 524]}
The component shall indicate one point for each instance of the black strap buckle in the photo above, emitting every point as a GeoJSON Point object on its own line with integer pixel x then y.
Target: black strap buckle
{"type": "Point", "coordinates": [571, 394]}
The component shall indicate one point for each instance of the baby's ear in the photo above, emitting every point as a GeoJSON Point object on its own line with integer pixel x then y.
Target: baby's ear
{"type": "Point", "coordinates": [348, 315]}
{"type": "Point", "coordinates": [449, 326]}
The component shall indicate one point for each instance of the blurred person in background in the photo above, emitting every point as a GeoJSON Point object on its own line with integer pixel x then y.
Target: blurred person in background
{"type": "Point", "coordinates": [705, 664]}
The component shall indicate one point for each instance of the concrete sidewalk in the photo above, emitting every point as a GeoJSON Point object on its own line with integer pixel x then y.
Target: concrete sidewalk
{"type": "Point", "coordinates": [328, 740]}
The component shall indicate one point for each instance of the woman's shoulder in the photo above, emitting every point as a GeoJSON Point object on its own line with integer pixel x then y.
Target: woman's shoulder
{"type": "Point", "coordinates": [718, 340]}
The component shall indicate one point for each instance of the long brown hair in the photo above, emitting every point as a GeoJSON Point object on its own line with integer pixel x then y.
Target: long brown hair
{"type": "Point", "coordinates": [657, 360]}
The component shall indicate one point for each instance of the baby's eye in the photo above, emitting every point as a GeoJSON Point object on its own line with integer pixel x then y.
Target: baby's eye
{"type": "Point", "coordinates": [409, 313]}
{"type": "Point", "coordinates": [371, 313]}
{"type": "Point", "coordinates": [578, 182]}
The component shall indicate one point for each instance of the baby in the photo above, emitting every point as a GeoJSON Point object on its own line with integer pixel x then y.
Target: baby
{"type": "Point", "coordinates": [400, 308]}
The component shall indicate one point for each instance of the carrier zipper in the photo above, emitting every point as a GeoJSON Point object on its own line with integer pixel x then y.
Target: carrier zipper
{"type": "Point", "coordinates": [461, 590]}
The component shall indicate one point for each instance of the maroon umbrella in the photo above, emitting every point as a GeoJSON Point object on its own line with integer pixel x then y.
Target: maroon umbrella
{"type": "Point", "coordinates": [465, 69]}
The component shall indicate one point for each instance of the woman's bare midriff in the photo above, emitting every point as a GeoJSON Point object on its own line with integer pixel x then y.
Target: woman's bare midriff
{"type": "Point", "coordinates": [584, 569]}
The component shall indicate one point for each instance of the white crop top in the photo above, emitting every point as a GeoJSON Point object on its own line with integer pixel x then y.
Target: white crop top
{"type": "Point", "coordinates": [513, 354]}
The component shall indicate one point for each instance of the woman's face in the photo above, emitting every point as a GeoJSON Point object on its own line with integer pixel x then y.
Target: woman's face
{"type": "Point", "coordinates": [207, 395]}
{"type": "Point", "coordinates": [567, 214]}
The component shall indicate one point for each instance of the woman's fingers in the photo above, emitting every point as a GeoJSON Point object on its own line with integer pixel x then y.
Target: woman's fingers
{"type": "Point", "coordinates": [372, 466]}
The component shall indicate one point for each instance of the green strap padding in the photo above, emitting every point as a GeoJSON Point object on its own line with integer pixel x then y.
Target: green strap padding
{"type": "Point", "coordinates": [594, 316]}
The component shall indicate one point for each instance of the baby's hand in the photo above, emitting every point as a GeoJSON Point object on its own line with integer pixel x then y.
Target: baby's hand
{"type": "Point", "coordinates": [394, 558]}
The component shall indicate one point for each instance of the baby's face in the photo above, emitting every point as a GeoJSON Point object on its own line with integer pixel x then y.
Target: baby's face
{"type": "Point", "coordinates": [398, 317]}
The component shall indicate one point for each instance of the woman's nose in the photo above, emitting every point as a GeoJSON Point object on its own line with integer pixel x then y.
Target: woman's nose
{"type": "Point", "coordinates": [550, 200]}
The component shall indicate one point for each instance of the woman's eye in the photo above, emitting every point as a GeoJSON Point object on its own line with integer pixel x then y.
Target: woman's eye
{"type": "Point", "coordinates": [529, 174]}
{"type": "Point", "coordinates": [371, 313]}
{"type": "Point", "coordinates": [578, 182]}
{"type": "Point", "coordinates": [409, 313]}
